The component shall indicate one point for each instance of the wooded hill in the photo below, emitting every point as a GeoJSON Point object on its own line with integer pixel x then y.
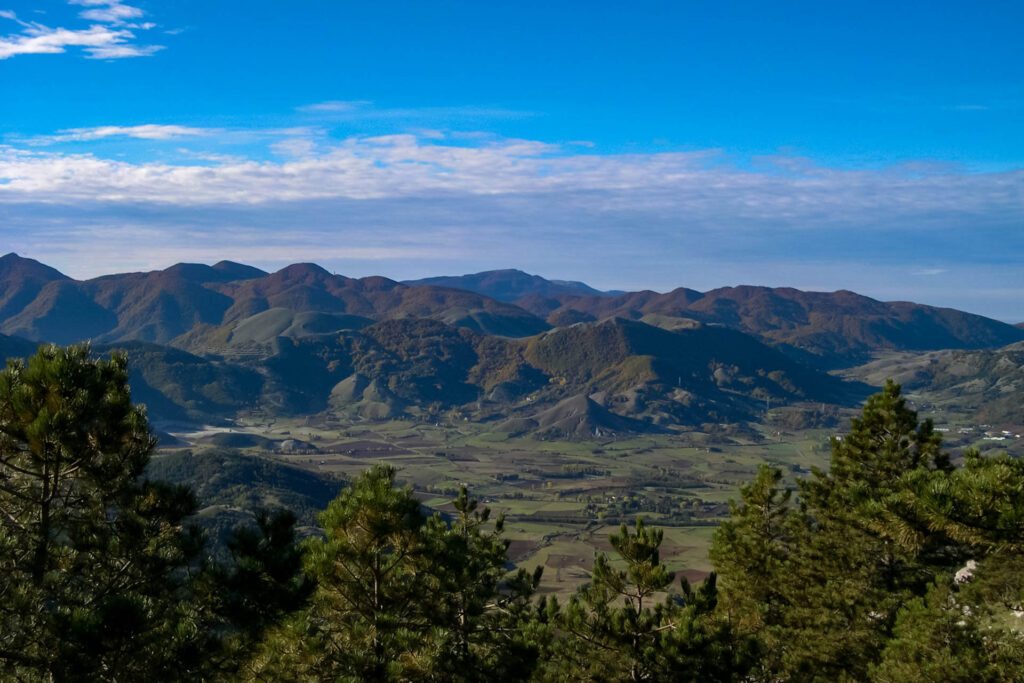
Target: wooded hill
{"type": "Point", "coordinates": [988, 384]}
{"type": "Point", "coordinates": [212, 340]}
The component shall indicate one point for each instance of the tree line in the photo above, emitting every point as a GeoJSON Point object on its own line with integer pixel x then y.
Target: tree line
{"type": "Point", "coordinates": [892, 565]}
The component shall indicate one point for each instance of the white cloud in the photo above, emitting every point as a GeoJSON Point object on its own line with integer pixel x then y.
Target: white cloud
{"type": "Point", "coordinates": [334, 106]}
{"type": "Point", "coordinates": [294, 147]}
{"type": "Point", "coordinates": [109, 13]}
{"type": "Point", "coordinates": [111, 37]}
{"type": "Point", "coordinates": [364, 110]}
{"type": "Point", "coordinates": [120, 51]}
{"type": "Point", "coordinates": [210, 156]}
{"type": "Point", "coordinates": [149, 131]}
{"type": "Point", "coordinates": [697, 188]}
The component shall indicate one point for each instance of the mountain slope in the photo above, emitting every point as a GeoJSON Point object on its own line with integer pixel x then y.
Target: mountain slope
{"type": "Point", "coordinates": [200, 307]}
{"type": "Point", "coordinates": [231, 310]}
{"type": "Point", "coordinates": [829, 329]}
{"type": "Point", "coordinates": [577, 417]}
{"type": "Point", "coordinates": [16, 347]}
{"type": "Point", "coordinates": [21, 280]}
{"type": "Point", "coordinates": [685, 376]}
{"type": "Point", "coordinates": [988, 384]}
{"type": "Point", "coordinates": [61, 313]}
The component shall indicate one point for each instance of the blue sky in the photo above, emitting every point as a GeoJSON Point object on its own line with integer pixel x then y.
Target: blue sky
{"type": "Point", "coordinates": [869, 146]}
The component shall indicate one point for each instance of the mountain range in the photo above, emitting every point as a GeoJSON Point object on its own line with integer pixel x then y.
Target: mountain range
{"type": "Point", "coordinates": [533, 354]}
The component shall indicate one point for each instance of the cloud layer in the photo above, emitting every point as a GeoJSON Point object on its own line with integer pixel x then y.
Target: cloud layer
{"type": "Point", "coordinates": [693, 186]}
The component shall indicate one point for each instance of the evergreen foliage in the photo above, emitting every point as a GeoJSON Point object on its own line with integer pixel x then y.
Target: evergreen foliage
{"type": "Point", "coordinates": [750, 553]}
{"type": "Point", "coordinates": [100, 577]}
{"type": "Point", "coordinates": [404, 597]}
{"type": "Point", "coordinates": [857, 582]}
{"type": "Point", "coordinates": [90, 554]}
{"type": "Point", "coordinates": [628, 624]}
{"type": "Point", "coordinates": [480, 612]}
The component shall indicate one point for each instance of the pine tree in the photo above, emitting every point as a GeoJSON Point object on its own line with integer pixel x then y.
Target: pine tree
{"type": "Point", "coordinates": [851, 583]}
{"type": "Point", "coordinates": [867, 550]}
{"type": "Point", "coordinates": [943, 638]}
{"type": "Point", "coordinates": [959, 630]}
{"type": "Point", "coordinates": [479, 612]}
{"type": "Point", "coordinates": [403, 597]}
{"type": "Point", "coordinates": [372, 580]}
{"type": "Point", "coordinates": [751, 554]}
{"type": "Point", "coordinates": [90, 553]}
{"type": "Point", "coordinates": [261, 585]}
{"type": "Point", "coordinates": [629, 624]}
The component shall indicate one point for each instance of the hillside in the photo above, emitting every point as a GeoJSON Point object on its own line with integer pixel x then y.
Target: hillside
{"type": "Point", "coordinates": [209, 341]}
{"type": "Point", "coordinates": [828, 329]}
{"type": "Point", "coordinates": [700, 374]}
{"type": "Point", "coordinates": [230, 309]}
{"type": "Point", "coordinates": [203, 308]}
{"type": "Point", "coordinates": [986, 384]}
{"type": "Point", "coordinates": [16, 347]}
{"type": "Point", "coordinates": [577, 417]}
{"type": "Point", "coordinates": [21, 281]}
{"type": "Point", "coordinates": [176, 385]}
{"type": "Point", "coordinates": [637, 376]}
{"type": "Point", "coordinates": [230, 486]}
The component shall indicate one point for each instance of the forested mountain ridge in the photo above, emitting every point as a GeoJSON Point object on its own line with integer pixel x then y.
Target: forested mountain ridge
{"type": "Point", "coordinates": [206, 309]}
{"type": "Point", "coordinates": [832, 329]}
{"type": "Point", "coordinates": [986, 383]}
{"type": "Point", "coordinates": [648, 375]}
{"type": "Point", "coordinates": [198, 306]}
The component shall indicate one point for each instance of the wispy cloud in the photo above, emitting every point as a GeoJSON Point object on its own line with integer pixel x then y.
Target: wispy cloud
{"type": "Point", "coordinates": [147, 131]}
{"type": "Point", "coordinates": [333, 106]}
{"type": "Point", "coordinates": [111, 36]}
{"type": "Point", "coordinates": [364, 109]}
{"type": "Point", "coordinates": [699, 183]}
{"type": "Point", "coordinates": [294, 147]}
{"type": "Point", "coordinates": [108, 12]}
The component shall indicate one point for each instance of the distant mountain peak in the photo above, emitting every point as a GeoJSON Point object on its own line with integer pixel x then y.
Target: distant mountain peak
{"type": "Point", "coordinates": [239, 271]}
{"type": "Point", "coordinates": [509, 284]}
{"type": "Point", "coordinates": [224, 271]}
{"type": "Point", "coordinates": [301, 272]}
{"type": "Point", "coordinates": [12, 265]}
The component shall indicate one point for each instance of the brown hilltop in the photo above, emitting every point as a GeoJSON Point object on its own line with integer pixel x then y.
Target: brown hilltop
{"type": "Point", "coordinates": [198, 306]}
{"type": "Point", "coordinates": [21, 280]}
{"type": "Point", "coordinates": [61, 313]}
{"type": "Point", "coordinates": [509, 285]}
{"type": "Point", "coordinates": [194, 304]}
{"type": "Point", "coordinates": [832, 329]}
{"type": "Point", "coordinates": [575, 418]}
